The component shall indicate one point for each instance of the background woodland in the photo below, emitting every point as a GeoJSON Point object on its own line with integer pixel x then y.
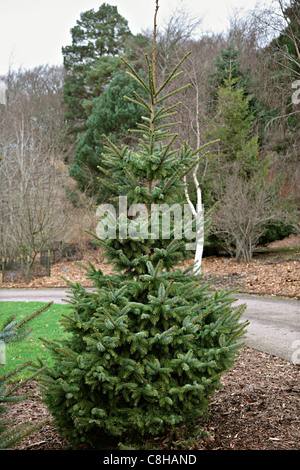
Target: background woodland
{"type": "Point", "coordinates": [244, 92]}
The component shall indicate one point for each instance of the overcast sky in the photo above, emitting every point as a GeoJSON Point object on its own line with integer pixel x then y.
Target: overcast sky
{"type": "Point", "coordinates": [32, 32]}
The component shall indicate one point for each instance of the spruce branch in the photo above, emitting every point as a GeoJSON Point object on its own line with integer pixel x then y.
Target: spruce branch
{"type": "Point", "coordinates": [165, 126]}
{"type": "Point", "coordinates": [163, 110]}
{"type": "Point", "coordinates": [111, 146]}
{"type": "Point", "coordinates": [135, 75]}
{"type": "Point", "coordinates": [5, 378]}
{"type": "Point", "coordinates": [189, 169]}
{"type": "Point", "coordinates": [168, 146]}
{"type": "Point", "coordinates": [132, 179]}
{"type": "Point", "coordinates": [35, 314]}
{"type": "Point", "coordinates": [204, 146]}
{"type": "Point", "coordinates": [240, 332]}
{"type": "Point", "coordinates": [173, 74]}
{"type": "Point", "coordinates": [172, 93]}
{"type": "Point", "coordinates": [141, 103]}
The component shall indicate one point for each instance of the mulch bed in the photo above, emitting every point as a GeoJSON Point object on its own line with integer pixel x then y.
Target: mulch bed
{"type": "Point", "coordinates": [258, 408]}
{"type": "Point", "coordinates": [275, 276]}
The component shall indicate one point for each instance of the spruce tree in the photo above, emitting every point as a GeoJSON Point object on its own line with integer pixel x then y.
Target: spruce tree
{"type": "Point", "coordinates": [233, 126]}
{"type": "Point", "coordinates": [237, 149]}
{"type": "Point", "coordinates": [147, 347]}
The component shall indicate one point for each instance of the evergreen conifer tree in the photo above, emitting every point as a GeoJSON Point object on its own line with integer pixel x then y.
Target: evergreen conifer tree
{"type": "Point", "coordinates": [237, 148]}
{"type": "Point", "coordinates": [98, 37]}
{"type": "Point", "coordinates": [111, 115]}
{"type": "Point", "coordinates": [234, 126]}
{"type": "Point", "coordinates": [146, 348]}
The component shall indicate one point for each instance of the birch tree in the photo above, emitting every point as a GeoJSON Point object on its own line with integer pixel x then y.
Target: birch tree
{"type": "Point", "coordinates": [194, 110]}
{"type": "Point", "coordinates": [198, 208]}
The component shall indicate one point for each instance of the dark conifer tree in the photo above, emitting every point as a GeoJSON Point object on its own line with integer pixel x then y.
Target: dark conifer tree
{"type": "Point", "coordinates": [98, 37]}
{"type": "Point", "coordinates": [112, 115]}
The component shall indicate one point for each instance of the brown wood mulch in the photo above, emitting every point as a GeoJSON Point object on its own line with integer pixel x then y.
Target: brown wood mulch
{"type": "Point", "coordinates": [274, 276]}
{"type": "Point", "coordinates": [258, 408]}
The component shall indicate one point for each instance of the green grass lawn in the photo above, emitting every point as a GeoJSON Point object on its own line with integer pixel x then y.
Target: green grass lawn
{"type": "Point", "coordinates": [45, 325]}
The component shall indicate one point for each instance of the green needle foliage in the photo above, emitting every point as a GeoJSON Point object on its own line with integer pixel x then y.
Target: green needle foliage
{"type": "Point", "coordinates": [11, 434]}
{"type": "Point", "coordinates": [145, 349]}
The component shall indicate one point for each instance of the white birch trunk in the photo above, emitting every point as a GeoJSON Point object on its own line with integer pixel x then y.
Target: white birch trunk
{"type": "Point", "coordinates": [198, 213]}
{"type": "Point", "coordinates": [199, 243]}
{"type": "Point", "coordinates": [2, 93]}
{"type": "Point", "coordinates": [195, 77]}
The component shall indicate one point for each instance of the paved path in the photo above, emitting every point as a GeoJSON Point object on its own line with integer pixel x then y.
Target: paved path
{"type": "Point", "coordinates": [33, 295]}
{"type": "Point", "coordinates": [274, 323]}
{"type": "Point", "coordinates": [274, 326]}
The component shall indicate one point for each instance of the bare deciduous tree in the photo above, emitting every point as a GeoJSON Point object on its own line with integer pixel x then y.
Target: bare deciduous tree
{"type": "Point", "coordinates": [34, 209]}
{"type": "Point", "coordinates": [247, 209]}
